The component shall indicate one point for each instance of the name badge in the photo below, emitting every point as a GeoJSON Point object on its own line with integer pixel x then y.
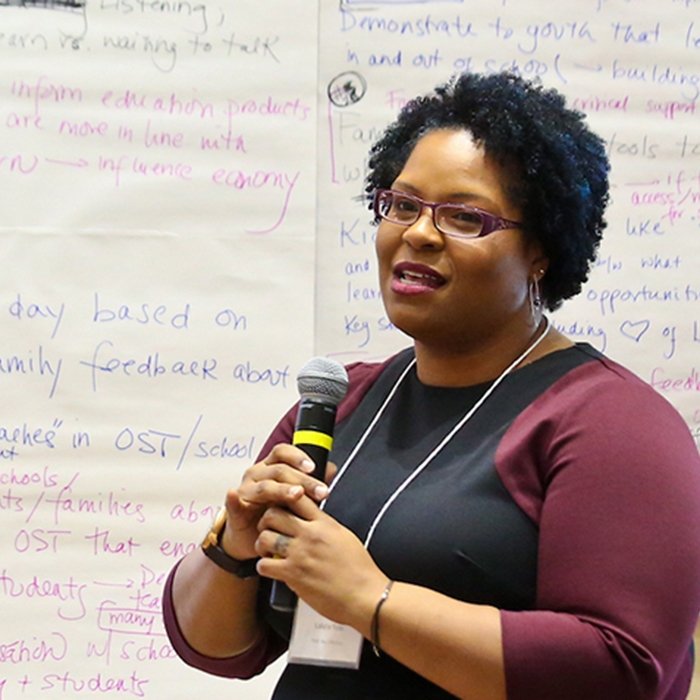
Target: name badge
{"type": "Point", "coordinates": [318, 641]}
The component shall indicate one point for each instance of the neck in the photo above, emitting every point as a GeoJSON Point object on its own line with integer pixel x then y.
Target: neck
{"type": "Point", "coordinates": [440, 366]}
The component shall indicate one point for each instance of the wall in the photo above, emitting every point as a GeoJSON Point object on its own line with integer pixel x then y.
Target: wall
{"type": "Point", "coordinates": [181, 231]}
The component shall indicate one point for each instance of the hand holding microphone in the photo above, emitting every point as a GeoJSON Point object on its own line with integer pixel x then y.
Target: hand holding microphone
{"type": "Point", "coordinates": [322, 384]}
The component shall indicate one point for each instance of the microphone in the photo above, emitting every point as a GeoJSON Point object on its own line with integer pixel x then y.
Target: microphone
{"type": "Point", "coordinates": [322, 384]}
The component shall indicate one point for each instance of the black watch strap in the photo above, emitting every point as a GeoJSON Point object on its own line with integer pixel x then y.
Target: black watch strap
{"type": "Point", "coordinates": [242, 568]}
{"type": "Point", "coordinates": [212, 548]}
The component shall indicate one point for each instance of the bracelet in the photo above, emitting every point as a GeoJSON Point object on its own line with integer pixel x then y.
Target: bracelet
{"type": "Point", "coordinates": [375, 617]}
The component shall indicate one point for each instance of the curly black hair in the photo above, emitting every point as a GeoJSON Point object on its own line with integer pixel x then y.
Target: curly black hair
{"type": "Point", "coordinates": [560, 167]}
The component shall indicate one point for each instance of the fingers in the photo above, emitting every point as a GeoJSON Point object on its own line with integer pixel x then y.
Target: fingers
{"type": "Point", "coordinates": [271, 542]}
{"type": "Point", "coordinates": [331, 471]}
{"type": "Point", "coordinates": [281, 546]}
{"type": "Point", "coordinates": [279, 527]}
{"type": "Point", "coordinates": [290, 519]}
{"type": "Point", "coordinates": [282, 477]}
{"type": "Point", "coordinates": [291, 455]}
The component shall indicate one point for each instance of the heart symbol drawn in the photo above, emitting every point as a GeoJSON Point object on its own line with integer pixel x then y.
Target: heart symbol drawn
{"type": "Point", "coordinates": [634, 330]}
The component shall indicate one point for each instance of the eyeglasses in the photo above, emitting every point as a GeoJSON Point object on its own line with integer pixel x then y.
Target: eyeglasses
{"type": "Point", "coordinates": [457, 220]}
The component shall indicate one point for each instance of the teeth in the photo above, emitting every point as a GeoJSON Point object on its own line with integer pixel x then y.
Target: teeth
{"type": "Point", "coordinates": [411, 277]}
{"type": "Point", "coordinates": [414, 276]}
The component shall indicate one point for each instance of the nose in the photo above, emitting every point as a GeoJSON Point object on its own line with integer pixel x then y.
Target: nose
{"type": "Point", "coordinates": [422, 233]}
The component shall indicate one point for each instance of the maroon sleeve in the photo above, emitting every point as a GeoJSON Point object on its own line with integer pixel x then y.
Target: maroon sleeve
{"type": "Point", "coordinates": [246, 665]}
{"type": "Point", "coordinates": [270, 646]}
{"type": "Point", "coordinates": [608, 471]}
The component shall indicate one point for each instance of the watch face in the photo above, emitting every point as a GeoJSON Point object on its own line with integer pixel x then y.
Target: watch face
{"type": "Point", "coordinates": [212, 537]}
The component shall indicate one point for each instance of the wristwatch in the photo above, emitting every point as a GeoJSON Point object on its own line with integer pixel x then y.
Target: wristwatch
{"type": "Point", "coordinates": [211, 546]}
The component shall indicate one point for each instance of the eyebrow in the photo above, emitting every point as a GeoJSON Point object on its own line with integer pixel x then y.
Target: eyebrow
{"type": "Point", "coordinates": [461, 197]}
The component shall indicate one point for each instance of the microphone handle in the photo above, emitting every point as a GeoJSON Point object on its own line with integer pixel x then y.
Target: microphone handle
{"type": "Point", "coordinates": [282, 598]}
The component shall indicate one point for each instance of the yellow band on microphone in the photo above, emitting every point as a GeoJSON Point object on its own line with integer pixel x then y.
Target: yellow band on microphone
{"type": "Point", "coordinates": [312, 437]}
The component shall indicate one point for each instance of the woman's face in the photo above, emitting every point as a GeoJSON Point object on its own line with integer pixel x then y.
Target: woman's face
{"type": "Point", "coordinates": [451, 291]}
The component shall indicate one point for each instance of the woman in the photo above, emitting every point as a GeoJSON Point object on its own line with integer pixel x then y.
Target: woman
{"type": "Point", "coordinates": [515, 516]}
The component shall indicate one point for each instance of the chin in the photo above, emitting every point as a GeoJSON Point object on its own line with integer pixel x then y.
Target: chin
{"type": "Point", "coordinates": [419, 328]}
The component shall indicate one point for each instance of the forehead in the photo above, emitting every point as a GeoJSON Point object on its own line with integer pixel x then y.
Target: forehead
{"type": "Point", "coordinates": [451, 160]}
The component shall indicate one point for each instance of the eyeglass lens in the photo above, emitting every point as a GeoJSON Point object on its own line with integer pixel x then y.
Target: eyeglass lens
{"type": "Point", "coordinates": [405, 210]}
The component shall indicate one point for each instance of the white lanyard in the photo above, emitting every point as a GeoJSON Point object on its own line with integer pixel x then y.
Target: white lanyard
{"type": "Point", "coordinates": [419, 469]}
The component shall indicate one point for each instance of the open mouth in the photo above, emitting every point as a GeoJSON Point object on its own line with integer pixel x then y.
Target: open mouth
{"type": "Point", "coordinates": [413, 278]}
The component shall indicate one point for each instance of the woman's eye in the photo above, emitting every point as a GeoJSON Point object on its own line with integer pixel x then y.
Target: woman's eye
{"type": "Point", "coordinates": [465, 219]}
{"type": "Point", "coordinates": [406, 205]}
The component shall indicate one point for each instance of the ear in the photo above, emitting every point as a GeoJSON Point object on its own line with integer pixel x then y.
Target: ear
{"type": "Point", "coordinates": [539, 262]}
{"type": "Point", "coordinates": [539, 266]}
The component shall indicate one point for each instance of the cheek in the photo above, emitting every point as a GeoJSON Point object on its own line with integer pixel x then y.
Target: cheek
{"type": "Point", "coordinates": [384, 248]}
{"type": "Point", "coordinates": [513, 274]}
{"type": "Point", "coordinates": [494, 270]}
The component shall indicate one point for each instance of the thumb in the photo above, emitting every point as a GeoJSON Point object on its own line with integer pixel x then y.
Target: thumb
{"type": "Point", "coordinates": [233, 502]}
{"type": "Point", "coordinates": [240, 513]}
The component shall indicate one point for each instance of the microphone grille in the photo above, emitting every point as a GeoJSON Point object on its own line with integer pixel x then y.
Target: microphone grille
{"type": "Point", "coordinates": [323, 377]}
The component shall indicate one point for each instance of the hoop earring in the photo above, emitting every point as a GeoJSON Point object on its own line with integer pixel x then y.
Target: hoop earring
{"type": "Point", "coordinates": [535, 296]}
